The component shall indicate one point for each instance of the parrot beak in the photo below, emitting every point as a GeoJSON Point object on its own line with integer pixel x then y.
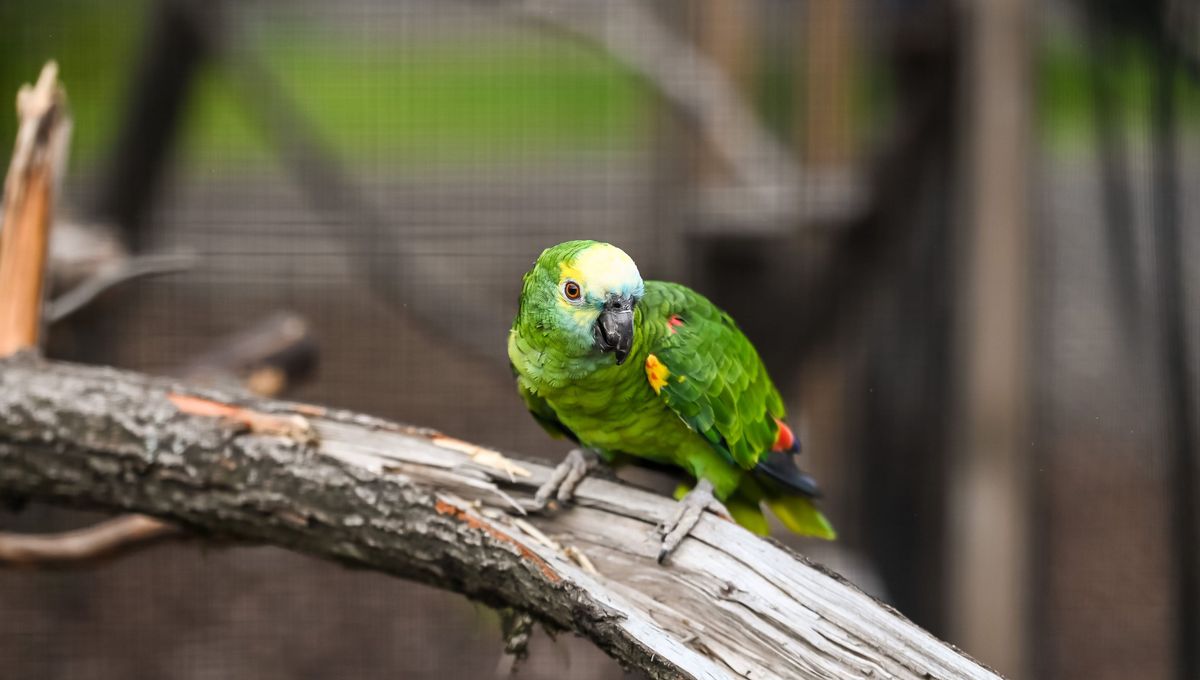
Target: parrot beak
{"type": "Point", "coordinates": [613, 331]}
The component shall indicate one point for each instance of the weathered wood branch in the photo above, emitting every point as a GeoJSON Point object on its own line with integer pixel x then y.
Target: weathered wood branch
{"type": "Point", "coordinates": [420, 505]}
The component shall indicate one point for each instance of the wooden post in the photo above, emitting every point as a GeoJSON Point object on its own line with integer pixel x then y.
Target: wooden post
{"type": "Point", "coordinates": [28, 208]}
{"type": "Point", "coordinates": [827, 57]}
{"type": "Point", "coordinates": [179, 39]}
{"type": "Point", "coordinates": [989, 494]}
{"type": "Point", "coordinates": [726, 35]}
{"type": "Point", "coordinates": [1180, 400]}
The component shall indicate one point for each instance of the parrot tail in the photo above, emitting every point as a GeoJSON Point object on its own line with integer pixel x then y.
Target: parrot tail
{"type": "Point", "coordinates": [798, 513]}
{"type": "Point", "coordinates": [801, 516]}
{"type": "Point", "coordinates": [789, 493]}
{"type": "Point", "coordinates": [780, 468]}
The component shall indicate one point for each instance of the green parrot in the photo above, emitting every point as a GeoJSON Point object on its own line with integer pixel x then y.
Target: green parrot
{"type": "Point", "coordinates": [650, 370]}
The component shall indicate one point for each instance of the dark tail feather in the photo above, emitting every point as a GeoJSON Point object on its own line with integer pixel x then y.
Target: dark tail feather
{"type": "Point", "coordinates": [780, 466]}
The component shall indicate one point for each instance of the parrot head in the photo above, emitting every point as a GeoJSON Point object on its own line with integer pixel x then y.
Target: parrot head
{"type": "Point", "coordinates": [582, 294]}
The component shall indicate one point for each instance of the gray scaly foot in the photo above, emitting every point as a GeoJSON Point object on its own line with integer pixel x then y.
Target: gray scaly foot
{"type": "Point", "coordinates": [687, 514]}
{"type": "Point", "coordinates": [566, 477]}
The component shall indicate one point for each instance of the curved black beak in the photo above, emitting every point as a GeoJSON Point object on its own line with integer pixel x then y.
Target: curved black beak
{"type": "Point", "coordinates": [613, 331]}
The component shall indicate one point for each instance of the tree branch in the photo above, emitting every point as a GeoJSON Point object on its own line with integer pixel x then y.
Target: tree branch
{"type": "Point", "coordinates": [114, 274]}
{"type": "Point", "coordinates": [420, 505]}
{"type": "Point", "coordinates": [89, 545]}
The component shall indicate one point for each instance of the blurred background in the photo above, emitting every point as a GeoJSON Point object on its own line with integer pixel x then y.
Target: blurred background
{"type": "Point", "coordinates": [958, 232]}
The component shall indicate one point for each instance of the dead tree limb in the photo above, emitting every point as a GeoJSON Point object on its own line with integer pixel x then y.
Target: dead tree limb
{"type": "Point", "coordinates": [420, 505]}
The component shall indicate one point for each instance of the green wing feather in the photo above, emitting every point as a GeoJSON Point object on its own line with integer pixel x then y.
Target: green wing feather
{"type": "Point", "coordinates": [717, 383]}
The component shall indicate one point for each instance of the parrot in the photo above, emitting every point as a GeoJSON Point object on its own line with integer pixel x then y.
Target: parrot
{"type": "Point", "coordinates": [653, 372]}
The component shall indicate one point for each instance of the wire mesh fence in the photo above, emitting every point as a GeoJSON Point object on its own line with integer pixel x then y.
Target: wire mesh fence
{"type": "Point", "coordinates": [388, 170]}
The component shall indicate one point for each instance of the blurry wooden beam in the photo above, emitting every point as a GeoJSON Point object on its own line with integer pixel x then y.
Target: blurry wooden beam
{"type": "Point", "coordinates": [1179, 403]}
{"type": "Point", "coordinates": [767, 192]}
{"type": "Point", "coordinates": [821, 125]}
{"type": "Point", "coordinates": [827, 54]}
{"type": "Point", "coordinates": [990, 532]}
{"type": "Point", "coordinates": [37, 159]}
{"type": "Point", "coordinates": [726, 35]}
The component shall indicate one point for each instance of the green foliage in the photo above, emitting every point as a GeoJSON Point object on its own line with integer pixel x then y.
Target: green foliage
{"type": "Point", "coordinates": [1065, 99]}
{"type": "Point", "coordinates": [433, 102]}
{"type": "Point", "coordinates": [94, 44]}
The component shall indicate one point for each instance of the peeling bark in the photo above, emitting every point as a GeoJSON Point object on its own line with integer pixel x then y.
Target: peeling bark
{"type": "Point", "coordinates": [413, 503]}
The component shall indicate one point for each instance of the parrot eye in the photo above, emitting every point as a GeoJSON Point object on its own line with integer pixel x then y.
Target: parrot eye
{"type": "Point", "coordinates": [571, 291]}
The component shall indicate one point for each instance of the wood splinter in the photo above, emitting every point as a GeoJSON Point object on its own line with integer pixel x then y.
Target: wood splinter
{"type": "Point", "coordinates": [489, 458]}
{"type": "Point", "coordinates": [288, 426]}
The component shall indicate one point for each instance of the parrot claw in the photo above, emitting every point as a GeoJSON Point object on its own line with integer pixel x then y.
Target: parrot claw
{"type": "Point", "coordinates": [566, 477]}
{"type": "Point", "coordinates": [687, 514]}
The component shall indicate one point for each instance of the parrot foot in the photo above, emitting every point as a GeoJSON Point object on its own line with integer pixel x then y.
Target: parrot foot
{"type": "Point", "coordinates": [687, 514]}
{"type": "Point", "coordinates": [567, 476]}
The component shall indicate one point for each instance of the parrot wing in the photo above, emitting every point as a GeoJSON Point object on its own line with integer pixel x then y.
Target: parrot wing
{"type": "Point", "coordinates": [710, 375]}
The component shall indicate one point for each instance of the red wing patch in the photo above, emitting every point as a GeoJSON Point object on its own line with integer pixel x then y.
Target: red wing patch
{"type": "Point", "coordinates": [785, 440]}
{"type": "Point", "coordinates": [673, 323]}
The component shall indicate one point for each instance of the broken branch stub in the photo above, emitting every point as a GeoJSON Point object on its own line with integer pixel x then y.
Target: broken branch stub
{"type": "Point", "coordinates": [39, 155]}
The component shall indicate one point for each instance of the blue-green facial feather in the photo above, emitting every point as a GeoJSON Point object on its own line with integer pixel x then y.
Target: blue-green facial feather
{"type": "Point", "coordinates": [599, 270]}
